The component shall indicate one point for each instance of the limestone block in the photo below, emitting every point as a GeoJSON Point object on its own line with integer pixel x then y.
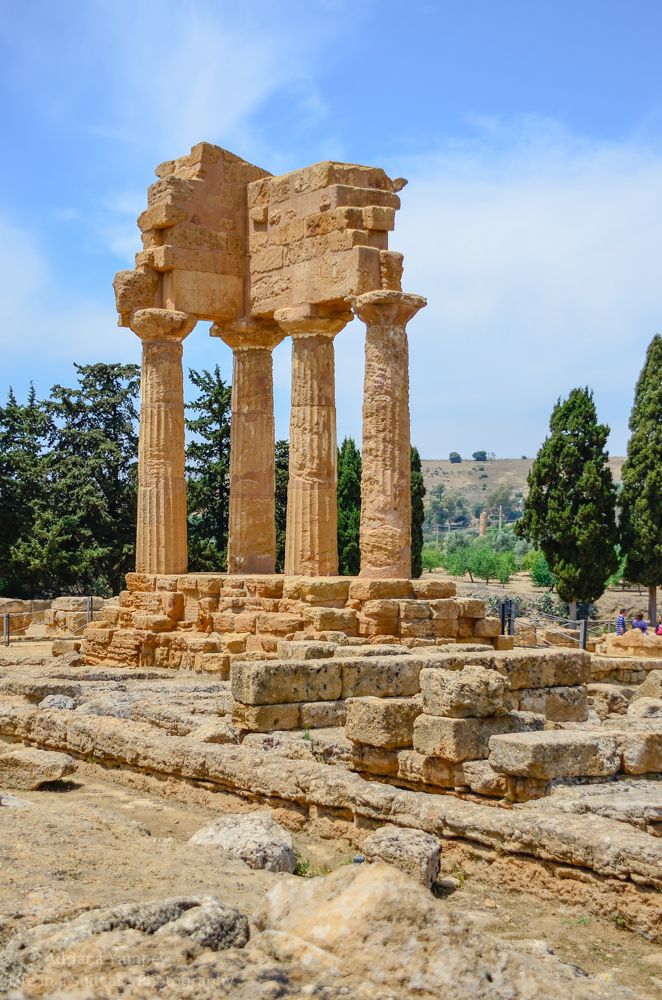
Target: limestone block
{"type": "Point", "coordinates": [470, 692]}
{"type": "Point", "coordinates": [525, 789]}
{"type": "Point", "coordinates": [468, 739]}
{"type": "Point", "coordinates": [313, 590]}
{"type": "Point", "coordinates": [430, 590]}
{"type": "Point", "coordinates": [381, 610]}
{"type": "Point", "coordinates": [444, 628]}
{"type": "Point", "coordinates": [559, 704]}
{"type": "Point", "coordinates": [232, 642]}
{"type": "Point", "coordinates": [413, 852]}
{"type": "Point", "coordinates": [280, 681]}
{"type": "Point", "coordinates": [278, 624]}
{"type": "Point", "coordinates": [382, 722]}
{"type": "Point", "coordinates": [377, 648]}
{"type": "Point", "coordinates": [445, 608]}
{"type": "Point", "coordinates": [305, 650]}
{"type": "Point", "coordinates": [254, 838]}
{"type": "Point", "coordinates": [504, 642]}
{"type": "Point", "coordinates": [374, 760]}
{"type": "Point", "coordinates": [482, 779]}
{"type": "Point", "coordinates": [487, 628]}
{"type": "Point", "coordinates": [322, 714]}
{"type": "Point", "coordinates": [141, 581]}
{"type": "Point", "coordinates": [370, 627]}
{"type": "Point", "coordinates": [213, 663]}
{"type": "Point", "coordinates": [364, 589]}
{"type": "Point", "coordinates": [30, 768]}
{"type": "Point", "coordinates": [471, 608]}
{"type": "Point", "coordinates": [411, 611]}
{"type": "Point", "coordinates": [641, 748]}
{"type": "Point", "coordinates": [227, 621]}
{"type": "Point", "coordinates": [265, 718]}
{"type": "Point", "coordinates": [556, 754]}
{"type": "Point", "coordinates": [381, 676]}
{"type": "Point", "coordinates": [145, 621]}
{"type": "Point", "coordinates": [642, 708]}
{"type": "Point", "coordinates": [340, 619]}
{"type": "Point", "coordinates": [652, 686]}
{"type": "Point", "coordinates": [419, 629]}
{"type": "Point", "coordinates": [465, 628]}
{"type": "Point", "coordinates": [417, 768]}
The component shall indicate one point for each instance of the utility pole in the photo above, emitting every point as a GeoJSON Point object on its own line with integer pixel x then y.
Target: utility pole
{"type": "Point", "coordinates": [500, 516]}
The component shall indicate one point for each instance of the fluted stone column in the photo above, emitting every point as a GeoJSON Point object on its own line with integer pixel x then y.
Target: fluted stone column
{"type": "Point", "coordinates": [386, 475]}
{"type": "Point", "coordinates": [251, 522]}
{"type": "Point", "coordinates": [161, 526]}
{"type": "Point", "coordinates": [311, 544]}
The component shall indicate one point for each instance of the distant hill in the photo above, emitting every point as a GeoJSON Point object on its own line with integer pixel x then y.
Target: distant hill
{"type": "Point", "coordinates": [475, 480]}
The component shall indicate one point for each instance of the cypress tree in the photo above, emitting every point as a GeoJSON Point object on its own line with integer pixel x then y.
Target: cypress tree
{"type": "Point", "coordinates": [641, 495]}
{"type": "Point", "coordinates": [349, 508]}
{"type": "Point", "coordinates": [282, 477]}
{"type": "Point", "coordinates": [417, 514]}
{"type": "Point", "coordinates": [570, 509]}
{"type": "Point", "coordinates": [208, 471]}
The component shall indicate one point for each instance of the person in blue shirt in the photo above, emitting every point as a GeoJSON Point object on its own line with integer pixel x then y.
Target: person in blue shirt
{"type": "Point", "coordinates": [639, 622]}
{"type": "Point", "coordinates": [621, 624]}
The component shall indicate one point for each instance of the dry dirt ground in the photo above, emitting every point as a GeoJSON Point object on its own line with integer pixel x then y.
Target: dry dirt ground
{"type": "Point", "coordinates": [111, 836]}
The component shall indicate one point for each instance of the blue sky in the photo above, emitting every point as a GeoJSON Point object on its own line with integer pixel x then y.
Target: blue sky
{"type": "Point", "coordinates": [529, 132]}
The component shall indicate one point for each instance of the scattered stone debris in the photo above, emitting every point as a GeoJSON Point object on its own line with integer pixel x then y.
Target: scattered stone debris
{"type": "Point", "coordinates": [29, 768]}
{"type": "Point", "coordinates": [254, 837]}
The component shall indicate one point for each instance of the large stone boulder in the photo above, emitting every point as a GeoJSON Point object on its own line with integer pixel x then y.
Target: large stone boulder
{"type": "Point", "coordinates": [254, 838]}
{"type": "Point", "coordinates": [28, 768]}
{"type": "Point", "coordinates": [414, 852]}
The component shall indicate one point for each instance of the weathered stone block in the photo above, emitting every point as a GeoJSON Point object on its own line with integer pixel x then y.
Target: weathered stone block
{"type": "Point", "coordinates": [470, 692]}
{"type": "Point", "coordinates": [374, 760]}
{"type": "Point", "coordinates": [265, 718]}
{"type": "Point", "coordinates": [467, 739]}
{"type": "Point", "coordinates": [228, 621]}
{"type": "Point", "coordinates": [382, 722]}
{"type": "Point", "coordinates": [470, 607]}
{"type": "Point", "coordinates": [336, 619]}
{"type": "Point", "coordinates": [364, 589]}
{"type": "Point", "coordinates": [305, 650]}
{"type": "Point", "coordinates": [481, 778]}
{"type": "Point", "coordinates": [381, 676]}
{"type": "Point", "coordinates": [322, 714]}
{"type": "Point", "coordinates": [382, 609]}
{"type": "Point", "coordinates": [559, 704]}
{"type": "Point", "coordinates": [417, 768]}
{"type": "Point", "coordinates": [412, 851]}
{"type": "Point", "coordinates": [280, 681]}
{"type": "Point", "coordinates": [445, 608]}
{"type": "Point", "coordinates": [417, 630]}
{"type": "Point", "coordinates": [213, 663]}
{"type": "Point", "coordinates": [430, 590]}
{"type": "Point", "coordinates": [555, 754]}
{"type": "Point", "coordinates": [411, 611]}
{"type": "Point", "coordinates": [278, 624]}
{"type": "Point", "coordinates": [140, 581]}
{"type": "Point", "coordinates": [487, 627]}
{"type": "Point", "coordinates": [641, 748]}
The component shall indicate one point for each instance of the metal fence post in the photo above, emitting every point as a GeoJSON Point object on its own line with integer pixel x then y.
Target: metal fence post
{"type": "Point", "coordinates": [90, 609]}
{"type": "Point", "coordinates": [583, 633]}
{"type": "Point", "coordinates": [5, 629]}
{"type": "Point", "coordinates": [511, 617]}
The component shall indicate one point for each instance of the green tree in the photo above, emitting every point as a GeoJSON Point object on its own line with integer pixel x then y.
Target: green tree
{"type": "Point", "coordinates": [538, 568]}
{"type": "Point", "coordinates": [282, 477]}
{"type": "Point", "coordinates": [570, 509]}
{"type": "Point", "coordinates": [349, 508]}
{"type": "Point", "coordinates": [417, 513]}
{"type": "Point", "coordinates": [83, 535]}
{"type": "Point", "coordinates": [479, 456]}
{"type": "Point", "coordinates": [455, 457]}
{"type": "Point", "coordinates": [23, 433]}
{"type": "Point", "coordinates": [431, 557]}
{"type": "Point", "coordinates": [641, 496]}
{"type": "Point", "coordinates": [208, 471]}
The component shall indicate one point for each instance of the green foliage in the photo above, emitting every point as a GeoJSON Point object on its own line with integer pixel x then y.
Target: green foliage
{"type": "Point", "coordinates": [479, 456]}
{"type": "Point", "coordinates": [208, 471]}
{"type": "Point", "coordinates": [478, 557]}
{"type": "Point", "coordinates": [455, 457]}
{"type": "Point", "coordinates": [538, 567]}
{"type": "Point", "coordinates": [417, 513]}
{"type": "Point", "coordinates": [501, 497]}
{"type": "Point", "coordinates": [431, 557]}
{"type": "Point", "coordinates": [349, 508]}
{"type": "Point", "coordinates": [641, 496]}
{"type": "Point", "coordinates": [78, 524]}
{"type": "Point", "coordinates": [570, 509]}
{"type": "Point", "coordinates": [442, 508]}
{"type": "Point", "coordinates": [282, 476]}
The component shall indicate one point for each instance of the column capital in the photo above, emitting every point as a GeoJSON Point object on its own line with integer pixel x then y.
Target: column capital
{"type": "Point", "coordinates": [247, 334]}
{"type": "Point", "coordinates": [387, 307]}
{"type": "Point", "coordinates": [310, 321]}
{"type": "Point", "coordinates": [162, 324]}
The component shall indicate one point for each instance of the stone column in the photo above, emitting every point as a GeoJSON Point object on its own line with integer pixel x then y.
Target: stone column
{"type": "Point", "coordinates": [161, 528]}
{"type": "Point", "coordinates": [482, 524]}
{"type": "Point", "coordinates": [311, 544]}
{"type": "Point", "coordinates": [251, 521]}
{"type": "Point", "coordinates": [386, 476]}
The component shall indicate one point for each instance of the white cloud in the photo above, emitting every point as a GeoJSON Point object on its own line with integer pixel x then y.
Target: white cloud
{"type": "Point", "coordinates": [539, 254]}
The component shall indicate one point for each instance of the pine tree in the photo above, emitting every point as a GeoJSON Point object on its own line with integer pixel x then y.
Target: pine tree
{"type": "Point", "coordinates": [82, 538]}
{"type": "Point", "coordinates": [570, 509]}
{"type": "Point", "coordinates": [23, 432]}
{"type": "Point", "coordinates": [349, 508]}
{"type": "Point", "coordinates": [282, 476]}
{"type": "Point", "coordinates": [208, 471]}
{"type": "Point", "coordinates": [417, 514]}
{"type": "Point", "coordinates": [641, 495]}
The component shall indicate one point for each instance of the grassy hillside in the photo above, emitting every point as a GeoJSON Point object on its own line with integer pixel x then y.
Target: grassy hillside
{"type": "Point", "coordinates": [476, 480]}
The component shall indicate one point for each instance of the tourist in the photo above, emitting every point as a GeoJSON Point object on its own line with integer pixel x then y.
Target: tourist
{"type": "Point", "coordinates": [621, 624]}
{"type": "Point", "coordinates": [639, 622]}
{"type": "Point", "coordinates": [658, 630]}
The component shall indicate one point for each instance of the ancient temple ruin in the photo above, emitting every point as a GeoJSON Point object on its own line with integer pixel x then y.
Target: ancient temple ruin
{"type": "Point", "coordinates": [263, 258]}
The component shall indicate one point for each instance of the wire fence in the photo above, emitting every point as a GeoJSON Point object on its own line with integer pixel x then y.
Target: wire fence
{"type": "Point", "coordinates": [579, 632]}
{"type": "Point", "coordinates": [15, 624]}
